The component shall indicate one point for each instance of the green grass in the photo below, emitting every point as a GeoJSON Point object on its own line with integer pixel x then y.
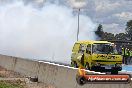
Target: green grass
{"type": "Point", "coordinates": [10, 85]}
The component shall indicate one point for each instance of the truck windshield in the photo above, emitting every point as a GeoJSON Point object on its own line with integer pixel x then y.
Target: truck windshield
{"type": "Point", "coordinates": [104, 49]}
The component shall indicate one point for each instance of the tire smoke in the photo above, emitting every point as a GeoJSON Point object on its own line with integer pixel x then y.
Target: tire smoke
{"type": "Point", "coordinates": [44, 34]}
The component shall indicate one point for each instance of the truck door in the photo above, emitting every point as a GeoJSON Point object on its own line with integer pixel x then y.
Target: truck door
{"type": "Point", "coordinates": [82, 50]}
{"type": "Point", "coordinates": [88, 55]}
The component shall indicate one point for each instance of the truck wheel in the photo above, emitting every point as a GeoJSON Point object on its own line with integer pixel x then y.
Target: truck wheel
{"type": "Point", "coordinates": [87, 66]}
{"type": "Point", "coordinates": [75, 65]}
{"type": "Point", "coordinates": [81, 80]}
{"type": "Point", "coordinates": [82, 60]}
{"type": "Point", "coordinates": [114, 72]}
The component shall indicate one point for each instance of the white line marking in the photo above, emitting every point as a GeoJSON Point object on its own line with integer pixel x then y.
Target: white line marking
{"type": "Point", "coordinates": [77, 68]}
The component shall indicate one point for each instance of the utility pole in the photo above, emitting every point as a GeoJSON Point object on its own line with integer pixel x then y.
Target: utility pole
{"type": "Point", "coordinates": [78, 24]}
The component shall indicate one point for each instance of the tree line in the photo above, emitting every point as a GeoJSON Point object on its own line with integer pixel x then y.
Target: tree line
{"type": "Point", "coordinates": [127, 35]}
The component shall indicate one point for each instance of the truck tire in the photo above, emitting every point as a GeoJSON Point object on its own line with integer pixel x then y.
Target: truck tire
{"type": "Point", "coordinates": [82, 60]}
{"type": "Point", "coordinates": [87, 66]}
{"type": "Point", "coordinates": [81, 80]}
{"type": "Point", "coordinates": [114, 72]}
{"type": "Point", "coordinates": [75, 65]}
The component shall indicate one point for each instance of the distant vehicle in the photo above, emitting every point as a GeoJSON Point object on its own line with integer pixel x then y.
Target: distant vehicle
{"type": "Point", "coordinates": [96, 55]}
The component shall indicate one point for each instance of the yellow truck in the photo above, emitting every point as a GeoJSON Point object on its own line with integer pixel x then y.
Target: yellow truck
{"type": "Point", "coordinates": [97, 56]}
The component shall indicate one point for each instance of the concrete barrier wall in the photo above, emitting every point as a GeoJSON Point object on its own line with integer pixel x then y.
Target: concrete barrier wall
{"type": "Point", "coordinates": [61, 77]}
{"type": "Point", "coordinates": [49, 73]}
{"type": "Point", "coordinates": [7, 62]}
{"type": "Point", "coordinates": [27, 67]}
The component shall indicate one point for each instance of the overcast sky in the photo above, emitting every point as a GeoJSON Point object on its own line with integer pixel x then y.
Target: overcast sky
{"type": "Point", "coordinates": [113, 14]}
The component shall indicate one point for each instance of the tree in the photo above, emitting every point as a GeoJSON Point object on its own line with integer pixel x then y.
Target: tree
{"type": "Point", "coordinates": [129, 29]}
{"type": "Point", "coordinates": [121, 36]}
{"type": "Point", "coordinates": [108, 36]}
{"type": "Point", "coordinates": [99, 31]}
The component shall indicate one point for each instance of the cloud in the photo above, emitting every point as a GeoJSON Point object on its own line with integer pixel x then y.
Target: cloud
{"type": "Point", "coordinates": [77, 3]}
{"type": "Point", "coordinates": [124, 15]}
{"type": "Point", "coordinates": [106, 5]}
{"type": "Point", "coordinates": [111, 12]}
{"type": "Point", "coordinates": [114, 28]}
{"type": "Point", "coordinates": [100, 11]}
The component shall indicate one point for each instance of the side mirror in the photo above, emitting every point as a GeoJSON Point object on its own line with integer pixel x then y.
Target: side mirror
{"type": "Point", "coordinates": [120, 53]}
{"type": "Point", "coordinates": [89, 52]}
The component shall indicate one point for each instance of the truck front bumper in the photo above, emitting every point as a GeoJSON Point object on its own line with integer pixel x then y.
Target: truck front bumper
{"type": "Point", "coordinates": [105, 68]}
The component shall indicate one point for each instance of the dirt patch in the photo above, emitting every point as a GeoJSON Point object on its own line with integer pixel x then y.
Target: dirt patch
{"type": "Point", "coordinates": [10, 74]}
{"type": "Point", "coordinates": [7, 76]}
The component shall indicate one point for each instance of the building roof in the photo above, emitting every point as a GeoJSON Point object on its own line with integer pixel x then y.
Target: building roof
{"type": "Point", "coordinates": [91, 41]}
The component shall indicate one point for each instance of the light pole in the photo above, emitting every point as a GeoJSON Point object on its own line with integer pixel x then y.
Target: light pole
{"type": "Point", "coordinates": [78, 24]}
{"type": "Point", "coordinates": [78, 4]}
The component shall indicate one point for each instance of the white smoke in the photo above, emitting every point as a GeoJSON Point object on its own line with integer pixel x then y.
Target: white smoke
{"type": "Point", "coordinates": [45, 34]}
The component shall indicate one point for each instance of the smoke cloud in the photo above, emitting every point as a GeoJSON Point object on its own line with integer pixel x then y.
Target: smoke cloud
{"type": "Point", "coordinates": [45, 34]}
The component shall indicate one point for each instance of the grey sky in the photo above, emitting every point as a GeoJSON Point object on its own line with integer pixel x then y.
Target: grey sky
{"type": "Point", "coordinates": [113, 14]}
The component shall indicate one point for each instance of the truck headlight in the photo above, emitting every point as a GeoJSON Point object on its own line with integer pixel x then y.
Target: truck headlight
{"type": "Point", "coordinates": [95, 64]}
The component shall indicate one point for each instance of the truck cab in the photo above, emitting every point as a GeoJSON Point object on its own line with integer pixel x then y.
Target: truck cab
{"type": "Point", "coordinates": [99, 56]}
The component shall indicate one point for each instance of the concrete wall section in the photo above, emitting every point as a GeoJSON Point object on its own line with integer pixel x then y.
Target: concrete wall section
{"type": "Point", "coordinates": [8, 62]}
{"type": "Point", "coordinates": [58, 75]}
{"type": "Point", "coordinates": [27, 67]}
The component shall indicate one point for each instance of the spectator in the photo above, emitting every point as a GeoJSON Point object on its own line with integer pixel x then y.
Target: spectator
{"type": "Point", "coordinates": [127, 57]}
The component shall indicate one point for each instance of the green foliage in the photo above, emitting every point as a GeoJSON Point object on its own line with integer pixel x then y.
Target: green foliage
{"type": "Point", "coordinates": [129, 29]}
{"type": "Point", "coordinates": [10, 85]}
{"type": "Point", "coordinates": [121, 36]}
{"type": "Point", "coordinates": [99, 31]}
{"type": "Point", "coordinates": [107, 36]}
